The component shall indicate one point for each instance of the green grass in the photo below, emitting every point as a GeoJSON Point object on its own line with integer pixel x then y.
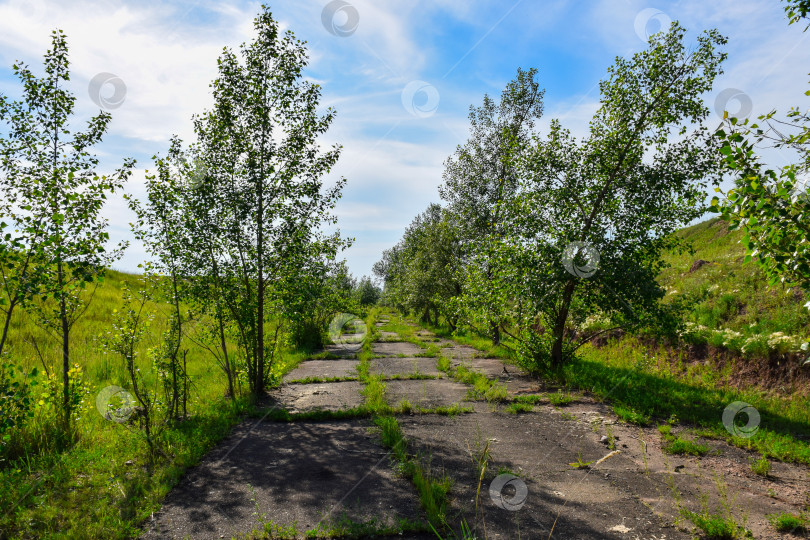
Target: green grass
{"type": "Point", "coordinates": [682, 446]}
{"type": "Point", "coordinates": [482, 343]}
{"type": "Point", "coordinates": [454, 409]}
{"type": "Point", "coordinates": [311, 380]}
{"type": "Point", "coordinates": [734, 296]}
{"type": "Point", "coordinates": [786, 523]}
{"type": "Point", "coordinates": [433, 490]}
{"type": "Point", "coordinates": [482, 387]}
{"type": "Point", "coordinates": [374, 392]}
{"type": "Point", "coordinates": [323, 355]}
{"type": "Point", "coordinates": [726, 522]}
{"type": "Point", "coordinates": [678, 445]}
{"type": "Point", "coordinates": [637, 378]}
{"type": "Point", "coordinates": [518, 407]}
{"type": "Point", "coordinates": [314, 415]}
{"type": "Point", "coordinates": [761, 466]}
{"type": "Point", "coordinates": [560, 399]}
{"type": "Point", "coordinates": [410, 377]}
{"type": "Point", "coordinates": [529, 399]}
{"type": "Point", "coordinates": [630, 415]}
{"type": "Point", "coordinates": [343, 527]}
{"type": "Point", "coordinates": [716, 526]}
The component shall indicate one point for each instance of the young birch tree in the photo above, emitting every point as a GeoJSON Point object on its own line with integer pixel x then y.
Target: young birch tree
{"type": "Point", "coordinates": [267, 180]}
{"type": "Point", "coordinates": [481, 174]}
{"type": "Point", "coordinates": [54, 201]}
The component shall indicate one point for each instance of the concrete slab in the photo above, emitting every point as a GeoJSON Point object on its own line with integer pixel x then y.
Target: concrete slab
{"type": "Point", "coordinates": [396, 348]}
{"type": "Point", "coordinates": [323, 368]}
{"type": "Point", "coordinates": [404, 366]}
{"type": "Point", "coordinates": [299, 472]}
{"type": "Point", "coordinates": [426, 393]}
{"type": "Point", "coordinates": [333, 396]}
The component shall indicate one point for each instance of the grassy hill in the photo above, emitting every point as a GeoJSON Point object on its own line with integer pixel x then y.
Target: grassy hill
{"type": "Point", "coordinates": [743, 344]}
{"type": "Point", "coordinates": [732, 305]}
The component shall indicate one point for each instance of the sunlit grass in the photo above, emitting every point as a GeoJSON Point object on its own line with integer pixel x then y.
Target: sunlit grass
{"type": "Point", "coordinates": [625, 372]}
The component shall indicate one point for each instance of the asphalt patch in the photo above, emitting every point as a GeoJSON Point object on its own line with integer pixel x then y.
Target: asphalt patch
{"type": "Point", "coordinates": [298, 472]}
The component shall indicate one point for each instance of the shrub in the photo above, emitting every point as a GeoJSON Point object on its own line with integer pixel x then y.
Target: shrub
{"type": "Point", "coordinates": [16, 403]}
{"type": "Point", "coordinates": [786, 522]}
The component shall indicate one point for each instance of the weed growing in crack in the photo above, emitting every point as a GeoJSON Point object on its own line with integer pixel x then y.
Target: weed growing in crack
{"type": "Point", "coordinates": [580, 464]}
{"type": "Point", "coordinates": [721, 524]}
{"type": "Point", "coordinates": [630, 415]}
{"type": "Point", "coordinates": [761, 466]}
{"type": "Point", "coordinates": [786, 522]}
{"type": "Point", "coordinates": [611, 437]}
{"type": "Point", "coordinates": [560, 399]}
{"type": "Point", "coordinates": [517, 407]}
{"type": "Point", "coordinates": [677, 445]}
{"type": "Point", "coordinates": [643, 445]}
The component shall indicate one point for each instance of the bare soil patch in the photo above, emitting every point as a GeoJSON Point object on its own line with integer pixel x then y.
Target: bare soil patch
{"type": "Point", "coordinates": [785, 489]}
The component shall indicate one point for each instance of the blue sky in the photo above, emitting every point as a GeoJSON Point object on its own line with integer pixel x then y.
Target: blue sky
{"type": "Point", "coordinates": [395, 140]}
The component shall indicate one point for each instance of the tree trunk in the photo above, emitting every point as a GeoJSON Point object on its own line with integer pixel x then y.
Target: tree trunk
{"type": "Point", "coordinates": [559, 325]}
{"type": "Point", "coordinates": [225, 354]}
{"type": "Point", "coordinates": [222, 325]}
{"type": "Point", "coordinates": [6, 325]}
{"type": "Point", "coordinates": [174, 359]}
{"type": "Point", "coordinates": [65, 346]}
{"type": "Point", "coordinates": [259, 345]}
{"type": "Point", "coordinates": [496, 333]}
{"type": "Point", "coordinates": [185, 384]}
